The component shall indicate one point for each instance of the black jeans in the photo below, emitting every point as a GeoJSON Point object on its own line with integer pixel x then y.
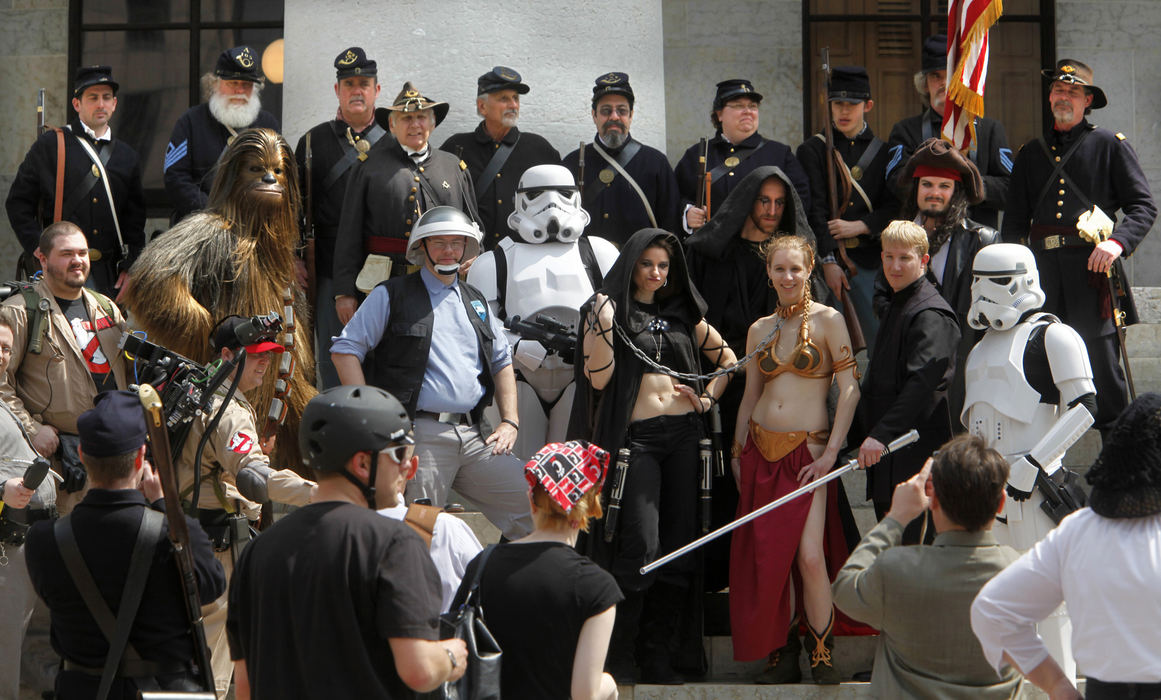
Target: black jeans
{"type": "Point", "coordinates": [1100, 690]}
{"type": "Point", "coordinates": [659, 506]}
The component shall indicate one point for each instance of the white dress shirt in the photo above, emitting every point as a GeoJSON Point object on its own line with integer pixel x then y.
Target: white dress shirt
{"type": "Point", "coordinates": [1108, 573]}
{"type": "Point", "coordinates": [453, 545]}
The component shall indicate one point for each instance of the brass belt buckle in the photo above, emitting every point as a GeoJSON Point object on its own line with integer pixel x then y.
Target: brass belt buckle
{"type": "Point", "coordinates": [1052, 242]}
{"type": "Point", "coordinates": [94, 254]}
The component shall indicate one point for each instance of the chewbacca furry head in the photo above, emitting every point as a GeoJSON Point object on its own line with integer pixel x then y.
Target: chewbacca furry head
{"type": "Point", "coordinates": [256, 192]}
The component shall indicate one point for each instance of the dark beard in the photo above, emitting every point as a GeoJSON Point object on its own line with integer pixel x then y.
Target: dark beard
{"type": "Point", "coordinates": [949, 221]}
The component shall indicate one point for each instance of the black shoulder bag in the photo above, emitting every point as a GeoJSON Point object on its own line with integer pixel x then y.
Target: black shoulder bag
{"type": "Point", "coordinates": [482, 679]}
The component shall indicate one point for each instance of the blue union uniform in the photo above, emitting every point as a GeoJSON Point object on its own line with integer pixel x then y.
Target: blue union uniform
{"type": "Point", "coordinates": [194, 147]}
{"type": "Point", "coordinates": [752, 152]}
{"type": "Point", "coordinates": [1104, 171]}
{"type": "Point", "coordinates": [615, 208]}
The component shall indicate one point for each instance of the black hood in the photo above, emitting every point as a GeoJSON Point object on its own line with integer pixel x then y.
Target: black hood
{"type": "Point", "coordinates": [726, 223]}
{"type": "Point", "coordinates": [678, 298]}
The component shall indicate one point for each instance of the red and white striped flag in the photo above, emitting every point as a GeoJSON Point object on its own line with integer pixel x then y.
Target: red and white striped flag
{"type": "Point", "coordinates": [968, 22]}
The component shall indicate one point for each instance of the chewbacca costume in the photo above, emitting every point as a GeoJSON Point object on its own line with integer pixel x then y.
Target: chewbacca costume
{"type": "Point", "coordinates": [235, 257]}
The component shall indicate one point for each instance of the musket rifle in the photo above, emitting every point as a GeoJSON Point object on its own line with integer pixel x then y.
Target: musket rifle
{"type": "Point", "coordinates": [835, 206]}
{"type": "Point", "coordinates": [580, 162]}
{"type": "Point", "coordinates": [40, 125]}
{"type": "Point", "coordinates": [704, 179]}
{"type": "Point", "coordinates": [178, 528]}
{"type": "Point", "coordinates": [1095, 226]}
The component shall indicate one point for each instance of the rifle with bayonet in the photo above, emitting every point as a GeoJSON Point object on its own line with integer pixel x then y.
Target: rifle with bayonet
{"type": "Point", "coordinates": [178, 528]}
{"type": "Point", "coordinates": [836, 203]}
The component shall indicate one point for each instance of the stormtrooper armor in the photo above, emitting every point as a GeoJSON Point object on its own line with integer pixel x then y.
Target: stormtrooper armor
{"type": "Point", "coordinates": [543, 274]}
{"type": "Point", "coordinates": [1002, 406]}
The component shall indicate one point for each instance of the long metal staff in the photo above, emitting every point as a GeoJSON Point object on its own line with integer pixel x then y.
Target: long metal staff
{"type": "Point", "coordinates": [896, 445]}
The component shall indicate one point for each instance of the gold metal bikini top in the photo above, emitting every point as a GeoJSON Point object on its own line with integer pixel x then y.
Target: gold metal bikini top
{"type": "Point", "coordinates": [807, 358]}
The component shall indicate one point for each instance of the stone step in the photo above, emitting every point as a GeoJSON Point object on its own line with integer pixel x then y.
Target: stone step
{"type": "Point", "coordinates": [800, 691]}
{"type": "Point", "coordinates": [851, 655]}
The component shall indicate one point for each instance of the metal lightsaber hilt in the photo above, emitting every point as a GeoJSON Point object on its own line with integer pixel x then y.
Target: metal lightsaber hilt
{"type": "Point", "coordinates": [705, 490]}
{"type": "Point", "coordinates": [620, 471]}
{"type": "Point", "coordinates": [895, 445]}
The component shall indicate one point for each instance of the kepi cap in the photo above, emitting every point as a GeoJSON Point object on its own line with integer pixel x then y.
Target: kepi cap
{"type": "Point", "coordinates": [849, 84]}
{"type": "Point", "coordinates": [935, 53]}
{"type": "Point", "coordinates": [114, 426]}
{"type": "Point", "coordinates": [735, 87]}
{"type": "Point", "coordinates": [354, 62]}
{"type": "Point", "coordinates": [238, 63]}
{"type": "Point", "coordinates": [613, 84]}
{"type": "Point", "coordinates": [500, 78]}
{"type": "Point", "coordinates": [88, 76]}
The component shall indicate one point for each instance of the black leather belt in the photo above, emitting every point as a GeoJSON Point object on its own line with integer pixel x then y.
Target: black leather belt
{"type": "Point", "coordinates": [449, 418]}
{"type": "Point", "coordinates": [1059, 241]}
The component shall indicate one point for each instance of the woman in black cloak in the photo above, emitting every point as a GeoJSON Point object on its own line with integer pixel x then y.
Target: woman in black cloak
{"type": "Point", "coordinates": [647, 303]}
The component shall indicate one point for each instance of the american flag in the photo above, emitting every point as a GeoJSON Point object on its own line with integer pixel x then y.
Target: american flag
{"type": "Point", "coordinates": [968, 22]}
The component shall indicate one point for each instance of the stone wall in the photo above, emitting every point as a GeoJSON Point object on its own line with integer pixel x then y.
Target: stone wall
{"type": "Point", "coordinates": [34, 52]}
{"type": "Point", "coordinates": [709, 42]}
{"type": "Point", "coordinates": [558, 48]}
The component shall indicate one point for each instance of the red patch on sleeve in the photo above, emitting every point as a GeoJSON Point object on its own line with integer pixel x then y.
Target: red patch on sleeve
{"type": "Point", "coordinates": [241, 443]}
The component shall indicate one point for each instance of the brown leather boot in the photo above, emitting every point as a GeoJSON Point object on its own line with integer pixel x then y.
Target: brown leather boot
{"type": "Point", "coordinates": [783, 665]}
{"type": "Point", "coordinates": [821, 666]}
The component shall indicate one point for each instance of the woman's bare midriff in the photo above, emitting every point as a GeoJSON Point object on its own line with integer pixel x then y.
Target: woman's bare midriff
{"type": "Point", "coordinates": [790, 402]}
{"type": "Point", "coordinates": [657, 397]}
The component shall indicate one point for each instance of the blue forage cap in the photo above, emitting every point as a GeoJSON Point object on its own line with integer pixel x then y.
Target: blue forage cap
{"type": "Point", "coordinates": [115, 425]}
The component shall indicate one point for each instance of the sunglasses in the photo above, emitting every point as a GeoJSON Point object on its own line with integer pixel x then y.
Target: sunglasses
{"type": "Point", "coordinates": [401, 455]}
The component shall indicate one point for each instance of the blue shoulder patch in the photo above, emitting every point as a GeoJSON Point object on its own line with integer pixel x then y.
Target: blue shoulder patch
{"type": "Point", "coordinates": [896, 155]}
{"type": "Point", "coordinates": [1006, 159]}
{"type": "Point", "coordinates": [481, 310]}
{"type": "Point", "coordinates": [175, 153]}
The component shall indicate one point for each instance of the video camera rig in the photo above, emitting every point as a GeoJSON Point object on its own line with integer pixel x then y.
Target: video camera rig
{"type": "Point", "coordinates": [186, 387]}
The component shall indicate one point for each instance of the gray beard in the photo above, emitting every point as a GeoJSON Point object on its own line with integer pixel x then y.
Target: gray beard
{"type": "Point", "coordinates": [235, 116]}
{"type": "Point", "coordinates": [614, 139]}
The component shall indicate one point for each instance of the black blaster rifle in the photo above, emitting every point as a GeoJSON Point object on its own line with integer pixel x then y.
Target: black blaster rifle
{"type": "Point", "coordinates": [552, 334]}
{"type": "Point", "coordinates": [836, 203]}
{"type": "Point", "coordinates": [178, 528]}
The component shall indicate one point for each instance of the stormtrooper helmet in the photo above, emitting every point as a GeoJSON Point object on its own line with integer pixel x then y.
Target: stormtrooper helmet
{"type": "Point", "coordinates": [548, 206]}
{"type": "Point", "coordinates": [1005, 286]}
{"type": "Point", "coordinates": [444, 221]}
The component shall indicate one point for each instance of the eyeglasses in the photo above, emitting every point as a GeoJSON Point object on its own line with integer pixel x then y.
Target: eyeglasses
{"type": "Point", "coordinates": [621, 111]}
{"type": "Point", "coordinates": [436, 244]}
{"type": "Point", "coordinates": [397, 453]}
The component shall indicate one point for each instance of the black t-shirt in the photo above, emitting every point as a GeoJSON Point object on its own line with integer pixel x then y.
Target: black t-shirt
{"type": "Point", "coordinates": [536, 597]}
{"type": "Point", "coordinates": [86, 336]}
{"type": "Point", "coordinates": [314, 600]}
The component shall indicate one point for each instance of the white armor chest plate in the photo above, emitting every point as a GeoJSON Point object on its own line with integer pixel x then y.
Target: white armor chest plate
{"type": "Point", "coordinates": [1000, 406]}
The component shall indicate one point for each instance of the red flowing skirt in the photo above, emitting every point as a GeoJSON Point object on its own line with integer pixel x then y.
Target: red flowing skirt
{"type": "Point", "coordinates": [762, 553]}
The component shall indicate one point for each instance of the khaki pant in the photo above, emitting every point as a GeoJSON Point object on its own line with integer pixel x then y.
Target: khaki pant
{"type": "Point", "coordinates": [214, 621]}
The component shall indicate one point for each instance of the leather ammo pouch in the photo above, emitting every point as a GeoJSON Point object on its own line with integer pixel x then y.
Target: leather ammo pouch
{"type": "Point", "coordinates": [224, 529]}
{"type": "Point", "coordinates": [376, 269]}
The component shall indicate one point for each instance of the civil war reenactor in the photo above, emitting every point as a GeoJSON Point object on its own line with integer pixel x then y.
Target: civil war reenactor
{"type": "Point", "coordinates": [734, 151]}
{"type": "Point", "coordinates": [871, 204]}
{"type": "Point", "coordinates": [625, 185]}
{"type": "Point", "coordinates": [97, 186]}
{"type": "Point", "coordinates": [234, 478]}
{"type": "Point", "coordinates": [498, 152]}
{"type": "Point", "coordinates": [1057, 178]}
{"type": "Point", "coordinates": [402, 178]}
{"type": "Point", "coordinates": [989, 151]}
{"type": "Point", "coordinates": [64, 353]}
{"type": "Point", "coordinates": [202, 132]}
{"type": "Point", "coordinates": [91, 557]}
{"type": "Point", "coordinates": [327, 155]}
